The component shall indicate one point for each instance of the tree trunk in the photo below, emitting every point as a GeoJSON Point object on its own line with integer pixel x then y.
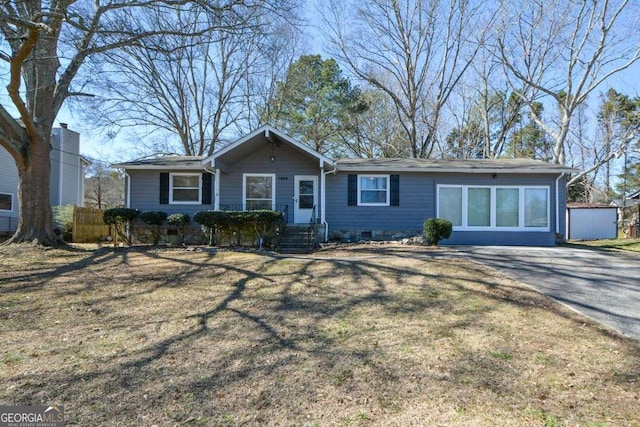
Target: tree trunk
{"type": "Point", "coordinates": [36, 220]}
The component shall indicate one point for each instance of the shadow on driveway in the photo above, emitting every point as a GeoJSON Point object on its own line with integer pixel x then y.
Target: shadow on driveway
{"type": "Point", "coordinates": [604, 286]}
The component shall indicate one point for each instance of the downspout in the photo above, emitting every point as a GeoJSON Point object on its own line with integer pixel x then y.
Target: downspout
{"type": "Point", "coordinates": [558, 202]}
{"type": "Point", "coordinates": [216, 187]}
{"type": "Point", "coordinates": [128, 203]}
{"type": "Point", "coordinates": [128, 195]}
{"type": "Point", "coordinates": [323, 184]}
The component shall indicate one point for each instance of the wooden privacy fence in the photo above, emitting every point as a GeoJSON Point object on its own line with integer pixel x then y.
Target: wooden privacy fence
{"type": "Point", "coordinates": [88, 225]}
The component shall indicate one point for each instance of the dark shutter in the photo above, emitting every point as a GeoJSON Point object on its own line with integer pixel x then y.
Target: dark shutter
{"type": "Point", "coordinates": [395, 190]}
{"type": "Point", "coordinates": [352, 191]}
{"type": "Point", "coordinates": [206, 188]}
{"type": "Point", "coordinates": [164, 188]}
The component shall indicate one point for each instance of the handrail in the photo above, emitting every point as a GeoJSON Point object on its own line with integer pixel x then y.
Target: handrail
{"type": "Point", "coordinates": [242, 207]}
{"type": "Point", "coordinates": [313, 226]}
{"type": "Point", "coordinates": [282, 225]}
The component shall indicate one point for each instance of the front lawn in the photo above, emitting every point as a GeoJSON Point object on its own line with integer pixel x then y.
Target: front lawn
{"type": "Point", "coordinates": [618, 244]}
{"type": "Point", "coordinates": [363, 336]}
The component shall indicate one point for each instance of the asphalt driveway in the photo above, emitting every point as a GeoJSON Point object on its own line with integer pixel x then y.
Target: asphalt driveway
{"type": "Point", "coordinates": [604, 286]}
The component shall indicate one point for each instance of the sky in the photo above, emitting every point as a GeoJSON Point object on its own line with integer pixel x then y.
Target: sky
{"type": "Point", "coordinates": [95, 145]}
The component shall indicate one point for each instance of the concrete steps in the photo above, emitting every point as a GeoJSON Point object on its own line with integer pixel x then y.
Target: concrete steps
{"type": "Point", "coordinates": [297, 239]}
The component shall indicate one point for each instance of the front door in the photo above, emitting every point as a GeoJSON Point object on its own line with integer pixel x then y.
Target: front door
{"type": "Point", "coordinates": [305, 198]}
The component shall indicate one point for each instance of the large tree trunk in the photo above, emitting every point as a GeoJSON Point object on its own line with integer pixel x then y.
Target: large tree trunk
{"type": "Point", "coordinates": [36, 220]}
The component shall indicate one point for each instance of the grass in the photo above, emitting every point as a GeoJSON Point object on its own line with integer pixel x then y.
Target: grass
{"type": "Point", "coordinates": [632, 245]}
{"type": "Point", "coordinates": [367, 336]}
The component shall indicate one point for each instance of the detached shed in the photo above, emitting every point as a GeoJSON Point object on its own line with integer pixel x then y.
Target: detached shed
{"type": "Point", "coordinates": [591, 221]}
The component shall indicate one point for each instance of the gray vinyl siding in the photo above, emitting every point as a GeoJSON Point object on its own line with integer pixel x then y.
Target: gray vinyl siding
{"type": "Point", "coordinates": [8, 185]}
{"type": "Point", "coordinates": [289, 163]}
{"type": "Point", "coordinates": [65, 162]}
{"type": "Point", "coordinates": [54, 180]}
{"type": "Point", "coordinates": [72, 175]}
{"type": "Point", "coordinates": [145, 193]}
{"type": "Point", "coordinates": [418, 202]}
{"type": "Point", "coordinates": [416, 196]}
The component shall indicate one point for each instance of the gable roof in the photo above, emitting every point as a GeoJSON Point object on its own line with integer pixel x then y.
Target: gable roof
{"type": "Point", "coordinates": [268, 134]}
{"type": "Point", "coordinates": [248, 143]}
{"type": "Point", "coordinates": [451, 165]}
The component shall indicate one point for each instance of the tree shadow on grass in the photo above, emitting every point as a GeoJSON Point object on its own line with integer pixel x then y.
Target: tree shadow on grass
{"type": "Point", "coordinates": [277, 340]}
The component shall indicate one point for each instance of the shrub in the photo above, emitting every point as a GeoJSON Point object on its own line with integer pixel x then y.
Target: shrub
{"type": "Point", "coordinates": [153, 217]}
{"type": "Point", "coordinates": [260, 224]}
{"type": "Point", "coordinates": [121, 219]}
{"type": "Point", "coordinates": [436, 229]}
{"type": "Point", "coordinates": [179, 220]}
{"type": "Point", "coordinates": [155, 220]}
{"type": "Point", "coordinates": [63, 221]}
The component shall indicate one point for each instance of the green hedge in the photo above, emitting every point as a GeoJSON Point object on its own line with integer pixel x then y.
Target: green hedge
{"type": "Point", "coordinates": [120, 215]}
{"type": "Point", "coordinates": [153, 217]}
{"type": "Point", "coordinates": [121, 219]}
{"type": "Point", "coordinates": [178, 219]}
{"type": "Point", "coordinates": [436, 229]}
{"type": "Point", "coordinates": [237, 226]}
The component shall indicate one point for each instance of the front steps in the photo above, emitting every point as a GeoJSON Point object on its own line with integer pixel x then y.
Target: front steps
{"type": "Point", "coordinates": [298, 239]}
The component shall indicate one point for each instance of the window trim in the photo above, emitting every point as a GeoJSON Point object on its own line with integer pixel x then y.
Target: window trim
{"type": "Point", "coordinates": [388, 189]}
{"type": "Point", "coordinates": [492, 206]}
{"type": "Point", "coordinates": [273, 188]}
{"type": "Point", "coordinates": [11, 202]}
{"type": "Point", "coordinates": [182, 202]}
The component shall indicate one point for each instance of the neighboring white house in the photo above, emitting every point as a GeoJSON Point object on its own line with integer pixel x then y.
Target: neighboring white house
{"type": "Point", "coordinates": [66, 181]}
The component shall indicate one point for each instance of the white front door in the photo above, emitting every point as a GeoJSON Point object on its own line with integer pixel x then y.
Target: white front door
{"type": "Point", "coordinates": [305, 198]}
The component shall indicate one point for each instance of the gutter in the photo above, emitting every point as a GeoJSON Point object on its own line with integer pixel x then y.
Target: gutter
{"type": "Point", "coordinates": [451, 170]}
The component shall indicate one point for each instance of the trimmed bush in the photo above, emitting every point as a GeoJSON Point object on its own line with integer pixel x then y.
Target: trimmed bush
{"type": "Point", "coordinates": [121, 219]}
{"type": "Point", "coordinates": [436, 229]}
{"type": "Point", "coordinates": [155, 219]}
{"type": "Point", "coordinates": [236, 225]}
{"type": "Point", "coordinates": [179, 220]}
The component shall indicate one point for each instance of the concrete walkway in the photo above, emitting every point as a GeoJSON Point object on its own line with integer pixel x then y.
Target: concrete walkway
{"type": "Point", "coordinates": [604, 286]}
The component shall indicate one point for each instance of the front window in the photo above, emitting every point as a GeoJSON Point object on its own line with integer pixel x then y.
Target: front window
{"type": "Point", "coordinates": [536, 202]}
{"type": "Point", "coordinates": [506, 208]}
{"type": "Point", "coordinates": [259, 191]}
{"type": "Point", "coordinates": [479, 207]}
{"type": "Point", "coordinates": [450, 204]}
{"type": "Point", "coordinates": [373, 190]}
{"type": "Point", "coordinates": [6, 202]}
{"type": "Point", "coordinates": [185, 188]}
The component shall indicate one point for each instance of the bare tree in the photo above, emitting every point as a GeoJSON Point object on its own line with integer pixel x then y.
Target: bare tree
{"type": "Point", "coordinates": [44, 46]}
{"type": "Point", "coordinates": [415, 51]}
{"type": "Point", "coordinates": [376, 131]}
{"type": "Point", "coordinates": [275, 57]}
{"type": "Point", "coordinates": [563, 52]}
{"type": "Point", "coordinates": [104, 187]}
{"type": "Point", "coordinates": [187, 85]}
